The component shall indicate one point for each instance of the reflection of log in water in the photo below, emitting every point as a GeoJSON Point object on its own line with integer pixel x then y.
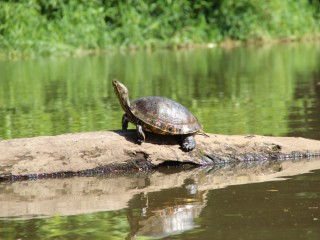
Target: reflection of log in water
{"type": "Point", "coordinates": [175, 220]}
{"type": "Point", "coordinates": [166, 212]}
{"type": "Point", "coordinates": [70, 196]}
{"type": "Point", "coordinates": [105, 152]}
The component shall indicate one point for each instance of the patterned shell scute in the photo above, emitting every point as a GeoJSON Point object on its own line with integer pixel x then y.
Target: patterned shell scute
{"type": "Point", "coordinates": [164, 116]}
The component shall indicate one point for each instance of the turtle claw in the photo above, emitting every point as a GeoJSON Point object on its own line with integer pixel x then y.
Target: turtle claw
{"type": "Point", "coordinates": [140, 141]}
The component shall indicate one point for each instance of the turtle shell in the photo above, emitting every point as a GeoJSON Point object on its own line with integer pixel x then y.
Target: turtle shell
{"type": "Point", "coordinates": [164, 116]}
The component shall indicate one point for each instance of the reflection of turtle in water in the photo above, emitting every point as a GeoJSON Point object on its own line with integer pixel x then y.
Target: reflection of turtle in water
{"type": "Point", "coordinates": [159, 115]}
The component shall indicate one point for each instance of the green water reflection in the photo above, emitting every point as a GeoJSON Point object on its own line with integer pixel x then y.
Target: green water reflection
{"type": "Point", "coordinates": [251, 90]}
{"type": "Point", "coordinates": [238, 91]}
{"type": "Point", "coordinates": [287, 209]}
{"type": "Point", "coordinates": [101, 225]}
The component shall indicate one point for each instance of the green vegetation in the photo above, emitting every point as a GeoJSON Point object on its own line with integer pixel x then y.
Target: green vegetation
{"type": "Point", "coordinates": [61, 26]}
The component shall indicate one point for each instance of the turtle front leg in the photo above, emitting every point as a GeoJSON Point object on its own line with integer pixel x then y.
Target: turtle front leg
{"type": "Point", "coordinates": [188, 143]}
{"type": "Point", "coordinates": [125, 122]}
{"type": "Point", "coordinates": [140, 134]}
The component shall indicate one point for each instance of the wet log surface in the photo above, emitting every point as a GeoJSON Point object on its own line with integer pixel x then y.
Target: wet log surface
{"type": "Point", "coordinates": [117, 151]}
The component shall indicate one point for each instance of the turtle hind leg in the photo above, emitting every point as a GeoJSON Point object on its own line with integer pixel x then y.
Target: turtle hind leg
{"type": "Point", "coordinates": [188, 143]}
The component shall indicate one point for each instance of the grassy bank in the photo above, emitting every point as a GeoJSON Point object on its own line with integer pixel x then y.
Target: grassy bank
{"type": "Point", "coordinates": [49, 27]}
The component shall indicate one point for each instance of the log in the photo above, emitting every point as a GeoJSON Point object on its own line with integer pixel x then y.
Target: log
{"type": "Point", "coordinates": [117, 151]}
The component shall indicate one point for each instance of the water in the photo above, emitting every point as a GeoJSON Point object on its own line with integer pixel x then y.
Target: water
{"type": "Point", "coordinates": [194, 204]}
{"type": "Point", "coordinates": [270, 90]}
{"type": "Point", "coordinates": [267, 90]}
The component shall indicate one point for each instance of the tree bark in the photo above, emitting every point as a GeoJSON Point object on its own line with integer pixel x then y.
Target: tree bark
{"type": "Point", "coordinates": [114, 151]}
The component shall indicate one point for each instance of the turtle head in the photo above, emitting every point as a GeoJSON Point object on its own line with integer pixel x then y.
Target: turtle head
{"type": "Point", "coordinates": [122, 94]}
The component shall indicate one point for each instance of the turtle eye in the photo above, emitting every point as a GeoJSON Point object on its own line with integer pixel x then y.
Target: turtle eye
{"type": "Point", "coordinates": [170, 128]}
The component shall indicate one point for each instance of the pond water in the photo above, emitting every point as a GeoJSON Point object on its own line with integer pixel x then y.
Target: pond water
{"type": "Point", "coordinates": [269, 90]}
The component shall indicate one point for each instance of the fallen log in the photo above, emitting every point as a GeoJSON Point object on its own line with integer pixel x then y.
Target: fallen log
{"type": "Point", "coordinates": [114, 151]}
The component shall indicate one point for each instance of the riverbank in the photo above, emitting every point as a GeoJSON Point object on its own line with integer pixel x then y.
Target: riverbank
{"type": "Point", "coordinates": [91, 153]}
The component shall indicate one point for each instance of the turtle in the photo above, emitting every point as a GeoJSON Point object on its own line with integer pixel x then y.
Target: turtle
{"type": "Point", "coordinates": [159, 115]}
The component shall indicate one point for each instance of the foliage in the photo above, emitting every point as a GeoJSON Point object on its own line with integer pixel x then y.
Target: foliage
{"type": "Point", "coordinates": [51, 26]}
{"type": "Point", "coordinates": [41, 26]}
{"type": "Point", "coordinates": [247, 19]}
